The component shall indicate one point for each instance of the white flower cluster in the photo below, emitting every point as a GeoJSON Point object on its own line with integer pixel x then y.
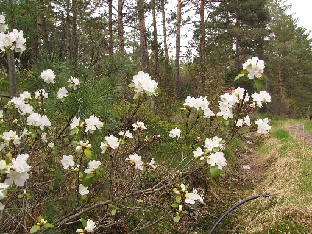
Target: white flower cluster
{"type": "Point", "coordinates": [48, 76]}
{"type": "Point", "coordinates": [136, 161]}
{"type": "Point", "coordinates": [254, 67]}
{"type": "Point", "coordinates": [41, 94]}
{"type": "Point", "coordinates": [93, 123]}
{"type": "Point", "coordinates": [3, 26]}
{"type": "Point", "coordinates": [88, 228]}
{"type": "Point", "coordinates": [199, 103]}
{"type": "Point", "coordinates": [263, 126]}
{"type": "Point", "coordinates": [21, 104]}
{"type": "Point", "coordinates": [175, 133]}
{"type": "Point", "coordinates": [37, 120]}
{"type": "Point", "coordinates": [245, 120]}
{"type": "Point", "coordinates": [229, 100]}
{"type": "Point", "coordinates": [73, 82]}
{"type": "Point", "coordinates": [261, 97]}
{"type": "Point", "coordinates": [213, 158]}
{"type": "Point", "coordinates": [190, 198]}
{"type": "Point", "coordinates": [110, 141]}
{"type": "Point", "coordinates": [142, 82]}
{"type": "Point", "coordinates": [16, 173]}
{"type": "Point", "coordinates": [14, 40]}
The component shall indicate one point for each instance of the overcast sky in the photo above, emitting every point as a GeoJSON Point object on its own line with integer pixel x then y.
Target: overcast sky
{"type": "Point", "coordinates": [301, 9]}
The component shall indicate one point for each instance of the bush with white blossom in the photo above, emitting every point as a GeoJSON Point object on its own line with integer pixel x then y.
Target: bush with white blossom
{"type": "Point", "coordinates": [103, 172]}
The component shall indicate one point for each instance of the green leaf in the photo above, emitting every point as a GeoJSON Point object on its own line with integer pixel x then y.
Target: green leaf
{"type": "Point", "coordinates": [178, 199]}
{"type": "Point", "coordinates": [34, 229]}
{"type": "Point", "coordinates": [214, 171]}
{"type": "Point", "coordinates": [113, 212]}
{"type": "Point", "coordinates": [87, 180]}
{"type": "Point", "coordinates": [174, 205]}
{"type": "Point", "coordinates": [131, 85]}
{"type": "Point", "coordinates": [83, 222]}
{"type": "Point", "coordinates": [176, 219]}
{"type": "Point", "coordinates": [20, 195]}
{"type": "Point", "coordinates": [39, 218]}
{"type": "Point", "coordinates": [7, 160]}
{"type": "Point", "coordinates": [257, 84]}
{"type": "Point", "coordinates": [136, 96]}
{"type": "Point", "coordinates": [49, 225]}
{"type": "Point", "coordinates": [216, 149]}
{"type": "Point", "coordinates": [226, 122]}
{"type": "Point", "coordinates": [74, 131]}
{"type": "Point", "coordinates": [88, 153]}
{"type": "Point", "coordinates": [239, 76]}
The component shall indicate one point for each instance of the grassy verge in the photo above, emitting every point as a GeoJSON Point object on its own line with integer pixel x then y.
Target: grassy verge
{"type": "Point", "coordinates": [288, 178]}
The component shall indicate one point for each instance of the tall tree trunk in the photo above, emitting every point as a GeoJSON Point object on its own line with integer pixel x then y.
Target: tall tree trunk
{"type": "Point", "coordinates": [12, 74]}
{"type": "Point", "coordinates": [67, 32]}
{"type": "Point", "coordinates": [74, 44]}
{"type": "Point", "coordinates": [178, 38]}
{"type": "Point", "coordinates": [110, 27]}
{"type": "Point", "coordinates": [202, 43]}
{"type": "Point", "coordinates": [155, 41]}
{"type": "Point", "coordinates": [120, 27]}
{"type": "Point", "coordinates": [43, 26]}
{"type": "Point", "coordinates": [143, 41]}
{"type": "Point", "coordinates": [164, 28]}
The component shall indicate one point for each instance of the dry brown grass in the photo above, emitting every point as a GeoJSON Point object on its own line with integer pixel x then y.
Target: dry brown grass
{"type": "Point", "coordinates": [278, 176]}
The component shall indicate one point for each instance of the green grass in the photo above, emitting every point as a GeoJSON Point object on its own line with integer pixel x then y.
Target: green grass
{"type": "Point", "coordinates": [308, 126]}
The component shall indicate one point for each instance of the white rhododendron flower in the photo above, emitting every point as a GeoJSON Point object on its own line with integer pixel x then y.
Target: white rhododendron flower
{"type": "Point", "coordinates": [247, 120]}
{"type": "Point", "coordinates": [3, 190]}
{"type": "Point", "coordinates": [103, 147]}
{"type": "Point", "coordinates": [254, 67]}
{"type": "Point", "coordinates": [48, 76]}
{"type": "Point", "coordinates": [83, 190]}
{"type": "Point", "coordinates": [127, 134]}
{"type": "Point", "coordinates": [152, 164]}
{"type": "Point", "coordinates": [19, 169]}
{"type": "Point", "coordinates": [83, 145]}
{"type": "Point", "coordinates": [199, 103]}
{"type": "Point", "coordinates": [10, 136]}
{"type": "Point", "coordinates": [38, 120]}
{"type": "Point", "coordinates": [61, 93]}
{"type": "Point", "coordinates": [25, 95]}
{"type": "Point", "coordinates": [190, 198]}
{"type": "Point", "coordinates": [44, 137]}
{"type": "Point", "coordinates": [175, 133]}
{"type": "Point", "coordinates": [3, 165]}
{"type": "Point", "coordinates": [19, 103]}
{"type": "Point", "coordinates": [217, 159]}
{"type": "Point", "coordinates": [112, 141]}
{"type": "Point", "coordinates": [92, 166]}
{"type": "Point", "coordinates": [239, 123]}
{"type": "Point", "coordinates": [73, 82]}
{"type": "Point", "coordinates": [138, 126]}
{"type": "Point", "coordinates": [3, 26]}
{"type": "Point", "coordinates": [51, 145]}
{"type": "Point", "coordinates": [68, 161]}
{"type": "Point", "coordinates": [93, 123]}
{"type": "Point", "coordinates": [143, 83]}
{"type": "Point", "coordinates": [75, 123]}
{"type": "Point", "coordinates": [136, 160]}
{"type": "Point", "coordinates": [198, 152]}
{"type": "Point", "coordinates": [261, 97]}
{"type": "Point", "coordinates": [41, 94]}
{"type": "Point", "coordinates": [215, 142]}
{"type": "Point", "coordinates": [263, 126]}
{"type": "Point", "coordinates": [226, 105]}
{"type": "Point", "coordinates": [90, 226]}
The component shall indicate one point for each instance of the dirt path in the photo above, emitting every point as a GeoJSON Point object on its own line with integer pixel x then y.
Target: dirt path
{"type": "Point", "coordinates": [297, 130]}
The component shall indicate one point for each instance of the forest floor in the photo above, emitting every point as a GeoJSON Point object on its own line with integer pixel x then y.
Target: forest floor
{"type": "Point", "coordinates": [282, 167]}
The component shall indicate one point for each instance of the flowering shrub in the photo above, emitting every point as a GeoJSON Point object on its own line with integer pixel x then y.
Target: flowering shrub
{"type": "Point", "coordinates": [42, 158]}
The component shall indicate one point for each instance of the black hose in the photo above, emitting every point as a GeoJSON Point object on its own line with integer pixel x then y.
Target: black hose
{"type": "Point", "coordinates": [234, 208]}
